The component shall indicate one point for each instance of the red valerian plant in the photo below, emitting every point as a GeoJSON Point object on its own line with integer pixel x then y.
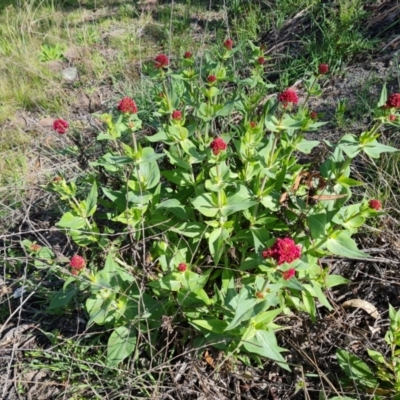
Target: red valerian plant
{"type": "Point", "coordinates": [188, 54]}
{"type": "Point", "coordinates": [393, 100]}
{"type": "Point", "coordinates": [211, 78]}
{"type": "Point", "coordinates": [290, 273]}
{"type": "Point", "coordinates": [161, 61]}
{"type": "Point", "coordinates": [218, 145]}
{"type": "Point", "coordinates": [60, 126]}
{"type": "Point", "coordinates": [176, 115]}
{"type": "Point", "coordinates": [128, 106]}
{"type": "Point", "coordinates": [288, 96]}
{"type": "Point", "coordinates": [323, 69]}
{"type": "Point", "coordinates": [261, 60]}
{"type": "Point", "coordinates": [182, 267]}
{"type": "Point", "coordinates": [375, 204]}
{"type": "Point", "coordinates": [228, 44]}
{"type": "Point", "coordinates": [77, 263]}
{"type": "Point", "coordinates": [283, 250]}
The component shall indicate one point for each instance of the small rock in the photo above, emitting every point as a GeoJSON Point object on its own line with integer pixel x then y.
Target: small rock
{"type": "Point", "coordinates": [73, 53]}
{"type": "Point", "coordinates": [117, 33]}
{"type": "Point", "coordinates": [82, 101]}
{"type": "Point", "coordinates": [70, 74]}
{"type": "Point", "coordinates": [46, 122]}
{"type": "Point", "coordinates": [54, 66]}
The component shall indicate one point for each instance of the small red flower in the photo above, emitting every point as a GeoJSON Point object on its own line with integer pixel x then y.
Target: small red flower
{"type": "Point", "coordinates": [57, 179]}
{"type": "Point", "coordinates": [323, 69]}
{"type": "Point", "coordinates": [288, 96]}
{"type": "Point", "coordinates": [261, 60]}
{"type": "Point", "coordinates": [253, 124]}
{"type": "Point", "coordinates": [176, 115]}
{"type": "Point", "coordinates": [161, 61]}
{"type": "Point", "coordinates": [211, 78]}
{"type": "Point", "coordinates": [260, 295]}
{"type": "Point", "coordinates": [228, 44]}
{"type": "Point", "coordinates": [127, 105]}
{"type": "Point", "coordinates": [60, 126]}
{"type": "Point", "coordinates": [392, 117]}
{"type": "Point", "coordinates": [188, 54]}
{"type": "Point", "coordinates": [77, 263]}
{"type": "Point", "coordinates": [313, 115]}
{"type": "Point", "coordinates": [35, 247]}
{"type": "Point", "coordinates": [182, 267]}
{"type": "Point", "coordinates": [375, 204]}
{"type": "Point", "coordinates": [290, 273]}
{"type": "Point", "coordinates": [217, 145]}
{"type": "Point", "coordinates": [394, 100]}
{"type": "Point", "coordinates": [283, 250]}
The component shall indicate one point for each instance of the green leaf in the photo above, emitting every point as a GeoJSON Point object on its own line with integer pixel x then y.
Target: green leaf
{"type": "Point", "coordinates": [207, 204]}
{"type": "Point", "coordinates": [264, 344]}
{"type": "Point", "coordinates": [238, 201]}
{"type": "Point", "coordinates": [212, 325]}
{"type": "Point", "coordinates": [91, 201]}
{"type": "Point", "coordinates": [346, 181]}
{"type": "Point", "coordinates": [173, 206]}
{"type": "Point", "coordinates": [384, 96]}
{"type": "Point", "coordinates": [342, 244]}
{"type": "Point", "coordinates": [376, 356]}
{"type": "Point", "coordinates": [321, 297]}
{"type": "Point", "coordinates": [192, 281]}
{"type": "Point", "coordinates": [148, 174]}
{"type": "Point", "coordinates": [160, 136]}
{"type": "Point", "coordinates": [121, 344]}
{"type": "Point", "coordinates": [356, 369]}
{"type": "Point", "coordinates": [317, 224]}
{"type": "Point", "coordinates": [306, 146]}
{"type": "Point", "coordinates": [71, 220]}
{"type": "Point", "coordinates": [62, 297]}
{"type": "Point", "coordinates": [216, 243]}
{"type": "Point", "coordinates": [335, 280]}
{"type": "Point", "coordinates": [350, 145]}
{"type": "Point", "coordinates": [309, 305]}
{"type": "Point", "coordinates": [179, 177]}
{"type": "Point", "coordinates": [169, 282]}
{"type": "Point", "coordinates": [374, 149]}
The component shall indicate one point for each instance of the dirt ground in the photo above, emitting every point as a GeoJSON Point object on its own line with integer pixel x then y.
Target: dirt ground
{"type": "Point", "coordinates": [312, 346]}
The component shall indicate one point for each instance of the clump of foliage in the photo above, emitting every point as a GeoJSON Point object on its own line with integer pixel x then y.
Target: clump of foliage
{"type": "Point", "coordinates": [216, 220]}
{"type": "Point", "coordinates": [383, 380]}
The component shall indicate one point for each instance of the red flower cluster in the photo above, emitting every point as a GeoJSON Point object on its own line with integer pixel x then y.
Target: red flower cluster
{"type": "Point", "coordinates": [283, 250]}
{"type": "Point", "coordinates": [392, 117]}
{"type": "Point", "coordinates": [393, 101]}
{"type": "Point", "coordinates": [252, 124]}
{"type": "Point", "coordinates": [313, 115]}
{"type": "Point", "coordinates": [60, 126]}
{"type": "Point", "coordinates": [323, 69]}
{"type": "Point", "coordinates": [127, 105]}
{"type": "Point", "coordinates": [375, 204]}
{"type": "Point", "coordinates": [211, 78]}
{"type": "Point", "coordinates": [161, 61]}
{"type": "Point", "coordinates": [217, 145]}
{"type": "Point", "coordinates": [288, 96]}
{"type": "Point", "coordinates": [77, 263]}
{"type": "Point", "coordinates": [228, 44]}
{"type": "Point", "coordinates": [176, 115]}
{"type": "Point", "coordinates": [290, 273]}
{"type": "Point", "coordinates": [188, 54]}
{"type": "Point", "coordinates": [182, 267]}
{"type": "Point", "coordinates": [261, 60]}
